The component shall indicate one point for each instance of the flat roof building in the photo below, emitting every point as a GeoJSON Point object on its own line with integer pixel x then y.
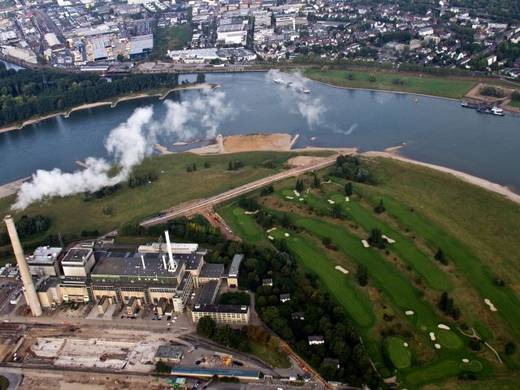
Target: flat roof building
{"type": "Point", "coordinates": [44, 261]}
{"type": "Point", "coordinates": [234, 268]}
{"type": "Point", "coordinates": [78, 262]}
{"type": "Point", "coordinates": [222, 314]}
{"type": "Point", "coordinates": [169, 354]}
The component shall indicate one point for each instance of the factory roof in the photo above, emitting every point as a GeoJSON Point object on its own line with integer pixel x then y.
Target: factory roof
{"type": "Point", "coordinates": [169, 352]}
{"type": "Point", "coordinates": [210, 270]}
{"type": "Point", "coordinates": [44, 255]}
{"type": "Point", "coordinates": [210, 372]}
{"type": "Point", "coordinates": [221, 308]}
{"type": "Point", "coordinates": [48, 283]}
{"type": "Point", "coordinates": [141, 44]}
{"type": "Point", "coordinates": [208, 293]}
{"type": "Point", "coordinates": [76, 256]}
{"type": "Point", "coordinates": [131, 264]}
{"type": "Point", "coordinates": [235, 265]}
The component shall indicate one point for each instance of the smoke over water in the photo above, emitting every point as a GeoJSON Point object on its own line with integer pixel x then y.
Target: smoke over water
{"type": "Point", "coordinates": [127, 146]}
{"type": "Point", "coordinates": [292, 89]}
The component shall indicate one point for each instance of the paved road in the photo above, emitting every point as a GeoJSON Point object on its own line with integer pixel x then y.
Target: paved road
{"type": "Point", "coordinates": [197, 206]}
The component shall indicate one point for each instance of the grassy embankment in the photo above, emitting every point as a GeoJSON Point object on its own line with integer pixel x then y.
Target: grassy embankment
{"type": "Point", "coordinates": [450, 87]}
{"type": "Point", "coordinates": [170, 38]}
{"type": "Point", "coordinates": [274, 358]}
{"type": "Point", "coordinates": [72, 215]}
{"type": "Point", "coordinates": [425, 210]}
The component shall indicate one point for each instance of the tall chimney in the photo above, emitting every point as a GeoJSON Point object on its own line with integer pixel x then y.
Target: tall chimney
{"type": "Point", "coordinates": [30, 292]}
{"type": "Point", "coordinates": [142, 260]}
{"type": "Point", "coordinates": [173, 265]}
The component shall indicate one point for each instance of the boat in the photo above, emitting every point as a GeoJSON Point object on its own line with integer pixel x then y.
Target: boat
{"type": "Point", "coordinates": [306, 90]}
{"type": "Point", "coordinates": [278, 81]}
{"type": "Point", "coordinates": [491, 110]}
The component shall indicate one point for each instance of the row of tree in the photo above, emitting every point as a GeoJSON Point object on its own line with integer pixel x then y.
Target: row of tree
{"type": "Point", "coordinates": [27, 93]}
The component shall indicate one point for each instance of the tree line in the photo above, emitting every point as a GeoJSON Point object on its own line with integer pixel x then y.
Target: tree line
{"type": "Point", "coordinates": [27, 93]}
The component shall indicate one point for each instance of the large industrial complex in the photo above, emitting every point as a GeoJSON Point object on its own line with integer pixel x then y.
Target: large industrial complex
{"type": "Point", "coordinates": [164, 277]}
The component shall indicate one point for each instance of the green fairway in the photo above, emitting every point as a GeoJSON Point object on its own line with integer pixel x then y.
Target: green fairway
{"type": "Point", "coordinates": [477, 274]}
{"type": "Point", "coordinates": [404, 247]}
{"type": "Point", "coordinates": [355, 302]}
{"type": "Point", "coordinates": [450, 87]}
{"type": "Point", "coordinates": [442, 369]}
{"type": "Point", "coordinates": [243, 224]}
{"type": "Point", "coordinates": [389, 279]}
{"type": "Point", "coordinates": [400, 355]}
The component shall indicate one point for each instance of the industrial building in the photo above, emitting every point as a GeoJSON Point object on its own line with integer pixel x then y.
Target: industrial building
{"type": "Point", "coordinates": [159, 275]}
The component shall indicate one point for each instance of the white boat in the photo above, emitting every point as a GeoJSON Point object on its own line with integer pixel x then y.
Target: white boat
{"type": "Point", "coordinates": [278, 81]}
{"type": "Point", "coordinates": [497, 111]}
{"type": "Point", "coordinates": [306, 91]}
{"type": "Point", "coordinates": [180, 143]}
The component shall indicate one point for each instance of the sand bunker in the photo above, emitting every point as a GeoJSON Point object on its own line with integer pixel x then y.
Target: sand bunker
{"type": "Point", "coordinates": [341, 269]}
{"type": "Point", "coordinates": [492, 307]}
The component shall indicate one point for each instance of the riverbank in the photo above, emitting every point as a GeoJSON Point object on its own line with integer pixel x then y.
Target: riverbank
{"type": "Point", "coordinates": [392, 153]}
{"type": "Point", "coordinates": [162, 94]}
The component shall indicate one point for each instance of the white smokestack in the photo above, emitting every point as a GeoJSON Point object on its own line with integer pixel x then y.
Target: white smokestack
{"type": "Point", "coordinates": [142, 260]}
{"type": "Point", "coordinates": [30, 292]}
{"type": "Point", "coordinates": [173, 265]}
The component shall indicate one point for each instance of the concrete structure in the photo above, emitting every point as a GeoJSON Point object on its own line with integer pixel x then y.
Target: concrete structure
{"type": "Point", "coordinates": [199, 372]}
{"type": "Point", "coordinates": [31, 296]}
{"type": "Point", "coordinates": [44, 261]}
{"type": "Point", "coordinates": [78, 261]}
{"type": "Point", "coordinates": [316, 340]}
{"type": "Point", "coordinates": [169, 354]}
{"type": "Point", "coordinates": [222, 314]}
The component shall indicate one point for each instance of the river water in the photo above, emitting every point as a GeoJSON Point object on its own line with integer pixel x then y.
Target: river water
{"type": "Point", "coordinates": [433, 130]}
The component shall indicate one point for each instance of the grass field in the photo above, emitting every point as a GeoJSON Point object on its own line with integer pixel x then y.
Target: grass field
{"type": "Point", "coordinates": [355, 302]}
{"type": "Point", "coordinates": [387, 80]}
{"type": "Point", "coordinates": [243, 225]}
{"type": "Point", "coordinates": [171, 38]}
{"type": "Point", "coordinates": [175, 185]}
{"type": "Point", "coordinates": [425, 210]}
{"type": "Point", "coordinates": [274, 358]}
{"type": "Point", "coordinates": [399, 353]}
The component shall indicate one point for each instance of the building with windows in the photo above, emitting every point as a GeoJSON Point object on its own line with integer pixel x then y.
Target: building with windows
{"type": "Point", "coordinates": [222, 314]}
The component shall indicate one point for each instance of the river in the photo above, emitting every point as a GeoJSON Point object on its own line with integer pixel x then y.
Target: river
{"type": "Point", "coordinates": [432, 130]}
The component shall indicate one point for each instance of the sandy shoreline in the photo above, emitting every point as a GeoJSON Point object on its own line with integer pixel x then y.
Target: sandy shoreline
{"type": "Point", "coordinates": [483, 183]}
{"type": "Point", "coordinates": [112, 104]}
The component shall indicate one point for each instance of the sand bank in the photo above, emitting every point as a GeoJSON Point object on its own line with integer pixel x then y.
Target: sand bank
{"type": "Point", "coordinates": [248, 143]}
{"type": "Point", "coordinates": [12, 187]}
{"type": "Point", "coordinates": [111, 103]}
{"type": "Point", "coordinates": [483, 183]}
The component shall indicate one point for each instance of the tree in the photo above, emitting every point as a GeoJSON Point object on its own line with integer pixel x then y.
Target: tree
{"type": "Point", "coordinates": [120, 58]}
{"type": "Point", "coordinates": [362, 275]}
{"type": "Point", "coordinates": [380, 208]}
{"type": "Point", "coordinates": [336, 211]}
{"type": "Point", "coordinates": [201, 78]}
{"type": "Point", "coordinates": [441, 257]}
{"type": "Point", "coordinates": [349, 190]}
{"type": "Point", "coordinates": [376, 239]}
{"type": "Point", "coordinates": [206, 327]}
{"type": "Point", "coordinates": [299, 185]}
{"type": "Point", "coordinates": [510, 348]}
{"type": "Point", "coordinates": [316, 182]}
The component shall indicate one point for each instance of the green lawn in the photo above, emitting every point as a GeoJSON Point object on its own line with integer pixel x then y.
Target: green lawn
{"type": "Point", "coordinates": [71, 215]}
{"type": "Point", "coordinates": [355, 302]}
{"type": "Point", "coordinates": [422, 263]}
{"type": "Point", "coordinates": [515, 103]}
{"type": "Point", "coordinates": [276, 359]}
{"type": "Point", "coordinates": [386, 80]}
{"type": "Point", "coordinates": [399, 354]}
{"type": "Point", "coordinates": [4, 383]}
{"type": "Point", "coordinates": [171, 38]}
{"type": "Point", "coordinates": [242, 224]}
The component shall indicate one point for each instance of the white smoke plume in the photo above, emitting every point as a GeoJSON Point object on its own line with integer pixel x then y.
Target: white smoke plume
{"type": "Point", "coordinates": [127, 145]}
{"type": "Point", "coordinates": [346, 132]}
{"type": "Point", "coordinates": [184, 119]}
{"type": "Point", "coordinates": [292, 87]}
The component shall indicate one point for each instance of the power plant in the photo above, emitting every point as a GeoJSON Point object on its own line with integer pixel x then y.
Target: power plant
{"type": "Point", "coordinates": [165, 277]}
{"type": "Point", "coordinates": [29, 290]}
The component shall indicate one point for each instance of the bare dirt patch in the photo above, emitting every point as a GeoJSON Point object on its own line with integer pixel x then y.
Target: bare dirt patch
{"type": "Point", "coordinates": [255, 142]}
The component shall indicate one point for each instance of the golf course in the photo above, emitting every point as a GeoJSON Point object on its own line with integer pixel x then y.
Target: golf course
{"type": "Point", "coordinates": [395, 292]}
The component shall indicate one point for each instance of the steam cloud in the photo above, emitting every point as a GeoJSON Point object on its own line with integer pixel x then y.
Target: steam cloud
{"type": "Point", "coordinates": [309, 106]}
{"type": "Point", "coordinates": [127, 145]}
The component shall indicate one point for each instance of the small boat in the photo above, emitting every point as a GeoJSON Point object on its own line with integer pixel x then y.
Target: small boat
{"type": "Point", "coordinates": [306, 90]}
{"type": "Point", "coordinates": [491, 110]}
